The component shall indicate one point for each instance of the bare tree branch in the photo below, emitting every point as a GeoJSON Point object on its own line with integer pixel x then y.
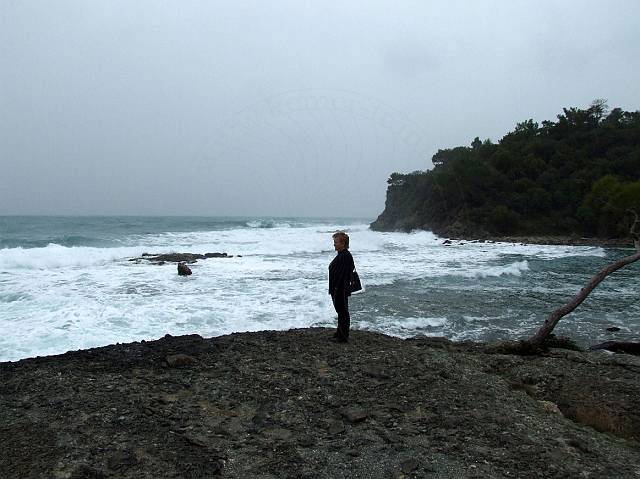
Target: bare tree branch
{"type": "Point", "coordinates": [555, 316]}
{"type": "Point", "coordinates": [633, 231]}
{"type": "Point", "coordinates": [551, 321]}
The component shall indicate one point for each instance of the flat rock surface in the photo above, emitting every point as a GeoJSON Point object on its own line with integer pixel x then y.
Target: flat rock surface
{"type": "Point", "coordinates": [292, 404]}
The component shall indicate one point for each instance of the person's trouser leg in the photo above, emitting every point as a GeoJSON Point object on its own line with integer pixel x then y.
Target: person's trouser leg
{"type": "Point", "coordinates": [341, 305]}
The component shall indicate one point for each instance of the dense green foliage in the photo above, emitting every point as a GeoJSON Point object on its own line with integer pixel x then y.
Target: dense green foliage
{"type": "Point", "coordinates": [578, 175]}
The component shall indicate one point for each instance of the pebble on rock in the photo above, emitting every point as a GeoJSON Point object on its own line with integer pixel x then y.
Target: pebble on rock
{"type": "Point", "coordinates": [336, 428]}
{"type": "Point", "coordinates": [354, 415]}
{"type": "Point", "coordinates": [180, 360]}
{"type": "Point", "coordinates": [409, 466]}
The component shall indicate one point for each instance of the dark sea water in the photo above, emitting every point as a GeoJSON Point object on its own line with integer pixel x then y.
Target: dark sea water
{"type": "Point", "coordinates": [66, 282]}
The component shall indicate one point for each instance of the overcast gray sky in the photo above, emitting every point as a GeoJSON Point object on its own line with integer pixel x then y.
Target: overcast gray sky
{"type": "Point", "coordinates": [285, 108]}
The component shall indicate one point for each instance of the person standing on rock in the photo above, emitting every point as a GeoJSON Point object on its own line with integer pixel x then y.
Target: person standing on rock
{"type": "Point", "coordinates": [340, 271]}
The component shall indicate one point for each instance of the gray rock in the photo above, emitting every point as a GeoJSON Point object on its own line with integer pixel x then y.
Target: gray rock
{"type": "Point", "coordinates": [87, 472]}
{"type": "Point", "coordinates": [335, 428]}
{"type": "Point", "coordinates": [409, 466]}
{"type": "Point", "coordinates": [178, 257]}
{"type": "Point", "coordinates": [376, 372]}
{"type": "Point", "coordinates": [354, 415]}
{"type": "Point", "coordinates": [180, 360]}
{"type": "Point", "coordinates": [306, 441]}
{"type": "Point", "coordinates": [183, 269]}
{"type": "Point", "coordinates": [628, 347]}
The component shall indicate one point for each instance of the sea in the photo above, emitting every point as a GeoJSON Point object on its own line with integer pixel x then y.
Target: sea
{"type": "Point", "coordinates": [69, 283]}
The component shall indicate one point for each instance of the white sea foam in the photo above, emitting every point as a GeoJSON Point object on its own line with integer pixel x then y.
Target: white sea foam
{"type": "Point", "coordinates": [55, 256]}
{"type": "Point", "coordinates": [516, 269]}
{"type": "Point", "coordinates": [404, 327]}
{"type": "Point", "coordinates": [268, 224]}
{"type": "Point", "coordinates": [57, 298]}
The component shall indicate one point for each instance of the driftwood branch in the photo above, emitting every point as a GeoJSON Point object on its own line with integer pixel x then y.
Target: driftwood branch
{"type": "Point", "coordinates": [550, 323]}
{"type": "Point", "coordinates": [634, 231]}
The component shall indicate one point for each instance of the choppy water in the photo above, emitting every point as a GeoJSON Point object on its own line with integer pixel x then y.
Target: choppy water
{"type": "Point", "coordinates": [66, 282]}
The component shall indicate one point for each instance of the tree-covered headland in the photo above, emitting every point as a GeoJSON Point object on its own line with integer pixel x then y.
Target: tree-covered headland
{"type": "Point", "coordinates": [578, 175]}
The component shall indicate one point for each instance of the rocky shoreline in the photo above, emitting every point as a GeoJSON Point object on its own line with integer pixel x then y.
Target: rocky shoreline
{"type": "Point", "coordinates": [550, 240]}
{"type": "Point", "coordinates": [293, 404]}
{"type": "Point", "coordinates": [563, 241]}
{"type": "Point", "coordinates": [457, 232]}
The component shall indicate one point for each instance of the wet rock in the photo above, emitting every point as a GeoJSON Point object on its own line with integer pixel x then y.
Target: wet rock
{"type": "Point", "coordinates": [306, 441]}
{"type": "Point", "coordinates": [183, 269]}
{"type": "Point", "coordinates": [335, 428]}
{"type": "Point", "coordinates": [217, 468]}
{"type": "Point", "coordinates": [354, 415]}
{"type": "Point", "coordinates": [180, 360]}
{"type": "Point", "coordinates": [189, 258]}
{"type": "Point", "coordinates": [561, 342]}
{"type": "Point", "coordinates": [121, 460]}
{"type": "Point", "coordinates": [618, 347]}
{"type": "Point", "coordinates": [549, 407]}
{"type": "Point", "coordinates": [196, 440]}
{"type": "Point", "coordinates": [222, 431]}
{"type": "Point", "coordinates": [87, 472]}
{"type": "Point", "coordinates": [409, 466]}
{"type": "Point", "coordinates": [376, 372]}
{"type": "Point", "coordinates": [389, 437]}
{"type": "Point", "coordinates": [278, 434]}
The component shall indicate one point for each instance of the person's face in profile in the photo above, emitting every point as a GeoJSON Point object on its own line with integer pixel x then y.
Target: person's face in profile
{"type": "Point", "coordinates": [337, 244]}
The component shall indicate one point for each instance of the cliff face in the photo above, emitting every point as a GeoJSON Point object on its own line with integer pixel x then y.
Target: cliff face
{"type": "Point", "coordinates": [395, 216]}
{"type": "Point", "coordinates": [407, 208]}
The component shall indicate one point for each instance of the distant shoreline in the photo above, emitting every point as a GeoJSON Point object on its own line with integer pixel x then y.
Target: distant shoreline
{"type": "Point", "coordinates": [551, 241]}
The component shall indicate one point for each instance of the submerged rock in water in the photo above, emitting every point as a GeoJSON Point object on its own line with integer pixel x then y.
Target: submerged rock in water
{"type": "Point", "coordinates": [183, 269]}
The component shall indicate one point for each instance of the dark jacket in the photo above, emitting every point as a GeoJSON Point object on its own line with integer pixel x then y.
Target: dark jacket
{"type": "Point", "coordinates": [340, 271]}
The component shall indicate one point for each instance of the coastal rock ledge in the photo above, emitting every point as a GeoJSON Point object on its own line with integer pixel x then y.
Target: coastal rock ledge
{"type": "Point", "coordinates": [292, 404]}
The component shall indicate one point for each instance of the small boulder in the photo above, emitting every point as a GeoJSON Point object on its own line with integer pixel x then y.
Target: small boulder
{"type": "Point", "coordinates": [354, 415]}
{"type": "Point", "coordinates": [627, 347]}
{"type": "Point", "coordinates": [183, 269]}
{"type": "Point", "coordinates": [180, 360]}
{"type": "Point", "coordinates": [306, 441]}
{"type": "Point", "coordinates": [86, 472]}
{"type": "Point", "coordinates": [409, 466]}
{"type": "Point", "coordinates": [613, 329]}
{"type": "Point", "coordinates": [550, 407]}
{"type": "Point", "coordinates": [335, 428]}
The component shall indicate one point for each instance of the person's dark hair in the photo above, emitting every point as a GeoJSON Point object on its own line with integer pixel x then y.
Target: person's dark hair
{"type": "Point", "coordinates": [343, 237]}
